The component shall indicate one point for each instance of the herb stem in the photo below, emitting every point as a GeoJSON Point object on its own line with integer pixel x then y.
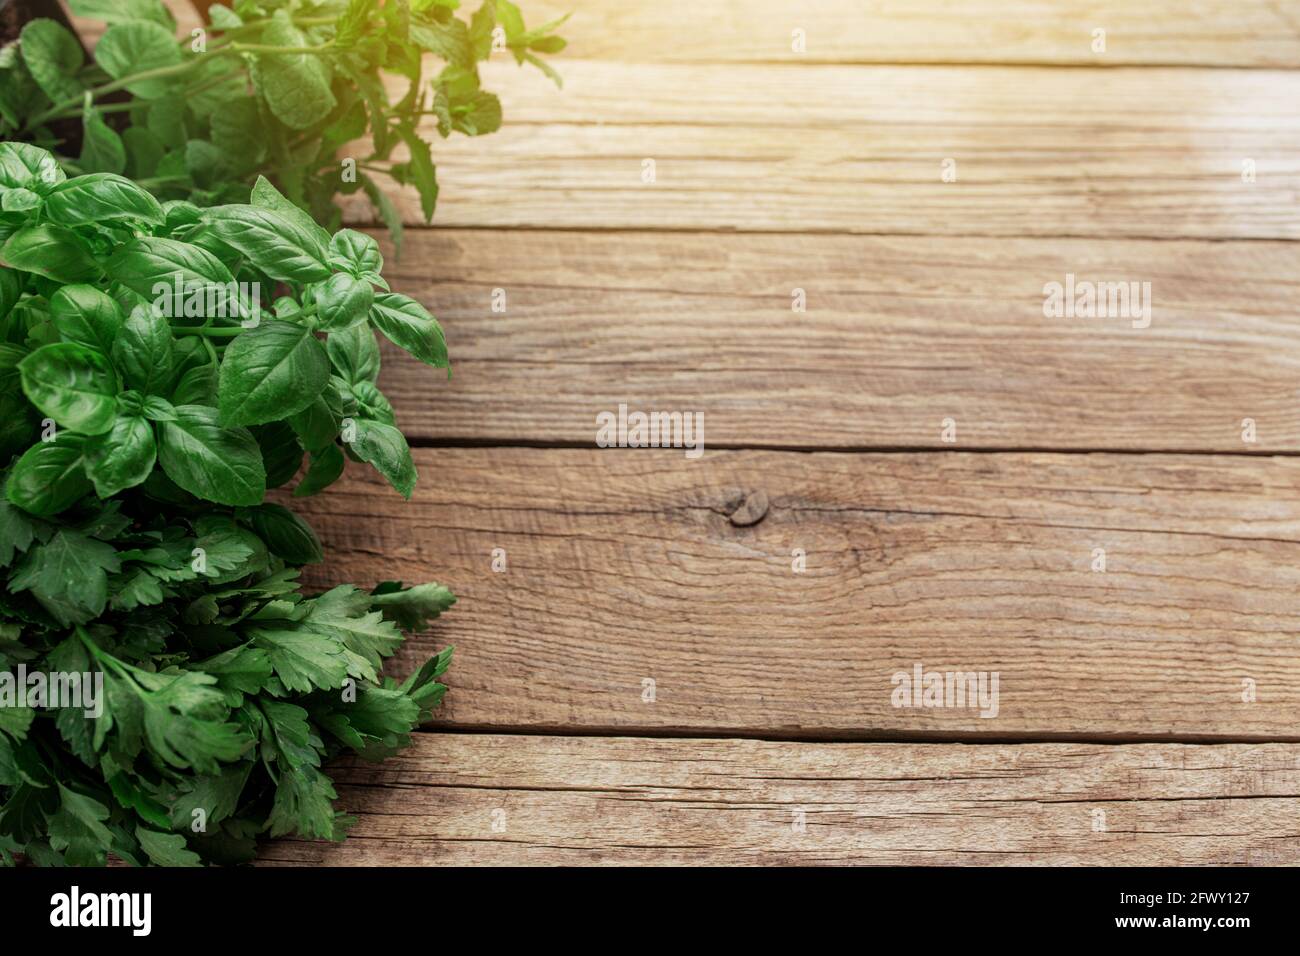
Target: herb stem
{"type": "Point", "coordinates": [162, 72]}
{"type": "Point", "coordinates": [104, 89]}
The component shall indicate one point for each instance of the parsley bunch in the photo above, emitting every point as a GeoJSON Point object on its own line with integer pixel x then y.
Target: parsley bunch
{"type": "Point", "coordinates": [272, 87]}
{"type": "Point", "coordinates": [151, 396]}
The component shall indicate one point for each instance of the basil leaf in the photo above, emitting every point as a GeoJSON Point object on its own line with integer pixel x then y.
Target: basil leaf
{"type": "Point", "coordinates": [217, 463]}
{"type": "Point", "coordinates": [355, 252]}
{"type": "Point", "coordinates": [385, 447]}
{"type": "Point", "coordinates": [354, 353]}
{"type": "Point", "coordinates": [372, 403]}
{"type": "Point", "coordinates": [73, 385]}
{"type": "Point", "coordinates": [278, 245]}
{"type": "Point", "coordinates": [51, 251]}
{"type": "Point", "coordinates": [18, 423]}
{"type": "Point", "coordinates": [83, 314]}
{"type": "Point", "coordinates": [11, 290]}
{"type": "Point", "coordinates": [49, 477]}
{"type": "Point", "coordinates": [135, 47]}
{"type": "Point", "coordinates": [122, 458]}
{"type": "Point", "coordinates": [24, 166]}
{"type": "Point", "coordinates": [271, 372]}
{"type": "Point", "coordinates": [281, 453]}
{"type": "Point", "coordinates": [19, 200]}
{"type": "Point", "coordinates": [151, 266]}
{"type": "Point", "coordinates": [198, 386]}
{"type": "Point", "coordinates": [286, 535]}
{"type": "Point", "coordinates": [158, 409]}
{"type": "Point", "coordinates": [143, 352]}
{"type": "Point", "coordinates": [342, 301]}
{"type": "Point", "coordinates": [326, 466]}
{"type": "Point", "coordinates": [102, 197]}
{"type": "Point", "coordinates": [318, 424]}
{"type": "Point", "coordinates": [266, 196]}
{"type": "Point", "coordinates": [408, 325]}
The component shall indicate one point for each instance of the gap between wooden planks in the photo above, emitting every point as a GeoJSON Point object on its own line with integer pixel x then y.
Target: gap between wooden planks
{"type": "Point", "coordinates": [519, 800]}
{"type": "Point", "coordinates": [899, 334]}
{"type": "Point", "coordinates": [859, 149]}
{"type": "Point", "coordinates": [1056, 32]}
{"type": "Point", "coordinates": [624, 566]}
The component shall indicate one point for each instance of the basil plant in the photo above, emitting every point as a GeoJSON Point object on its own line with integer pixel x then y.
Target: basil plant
{"type": "Point", "coordinates": [149, 339]}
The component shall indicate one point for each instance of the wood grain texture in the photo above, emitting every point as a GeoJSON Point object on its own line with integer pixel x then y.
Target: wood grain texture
{"type": "Point", "coordinates": [899, 334]}
{"type": "Point", "coordinates": [1218, 33]}
{"type": "Point", "coordinates": [564, 800]}
{"type": "Point", "coordinates": [624, 565]}
{"type": "Point", "coordinates": [1247, 33]}
{"type": "Point", "coordinates": [858, 149]}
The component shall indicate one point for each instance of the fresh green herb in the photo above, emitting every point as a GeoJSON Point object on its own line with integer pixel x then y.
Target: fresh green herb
{"type": "Point", "coordinates": [272, 88]}
{"type": "Point", "coordinates": [163, 366]}
{"type": "Point", "coordinates": [161, 347]}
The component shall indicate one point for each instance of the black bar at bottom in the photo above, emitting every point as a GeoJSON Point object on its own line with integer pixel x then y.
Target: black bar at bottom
{"type": "Point", "coordinates": [337, 906]}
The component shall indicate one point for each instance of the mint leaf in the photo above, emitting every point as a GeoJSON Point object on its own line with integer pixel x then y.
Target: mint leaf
{"type": "Point", "coordinates": [53, 57]}
{"type": "Point", "coordinates": [139, 46]}
{"type": "Point", "coordinates": [296, 86]}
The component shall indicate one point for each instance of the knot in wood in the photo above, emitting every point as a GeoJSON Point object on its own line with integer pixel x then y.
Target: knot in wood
{"type": "Point", "coordinates": [750, 511]}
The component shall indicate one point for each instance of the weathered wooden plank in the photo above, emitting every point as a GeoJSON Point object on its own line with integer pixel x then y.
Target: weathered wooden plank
{"type": "Point", "coordinates": [1217, 33]}
{"type": "Point", "coordinates": [517, 800]}
{"type": "Point", "coordinates": [900, 333]}
{"type": "Point", "coordinates": [1248, 33]}
{"type": "Point", "coordinates": [623, 567]}
{"type": "Point", "coordinates": [861, 149]}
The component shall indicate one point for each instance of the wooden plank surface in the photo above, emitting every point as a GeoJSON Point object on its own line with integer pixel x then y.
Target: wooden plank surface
{"type": "Point", "coordinates": [623, 566]}
{"type": "Point", "coordinates": [518, 800]}
{"type": "Point", "coordinates": [899, 334]}
{"type": "Point", "coordinates": [859, 149]}
{"type": "Point", "coordinates": [1060, 32]}
{"type": "Point", "coordinates": [647, 593]}
{"type": "Point", "coordinates": [1242, 33]}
